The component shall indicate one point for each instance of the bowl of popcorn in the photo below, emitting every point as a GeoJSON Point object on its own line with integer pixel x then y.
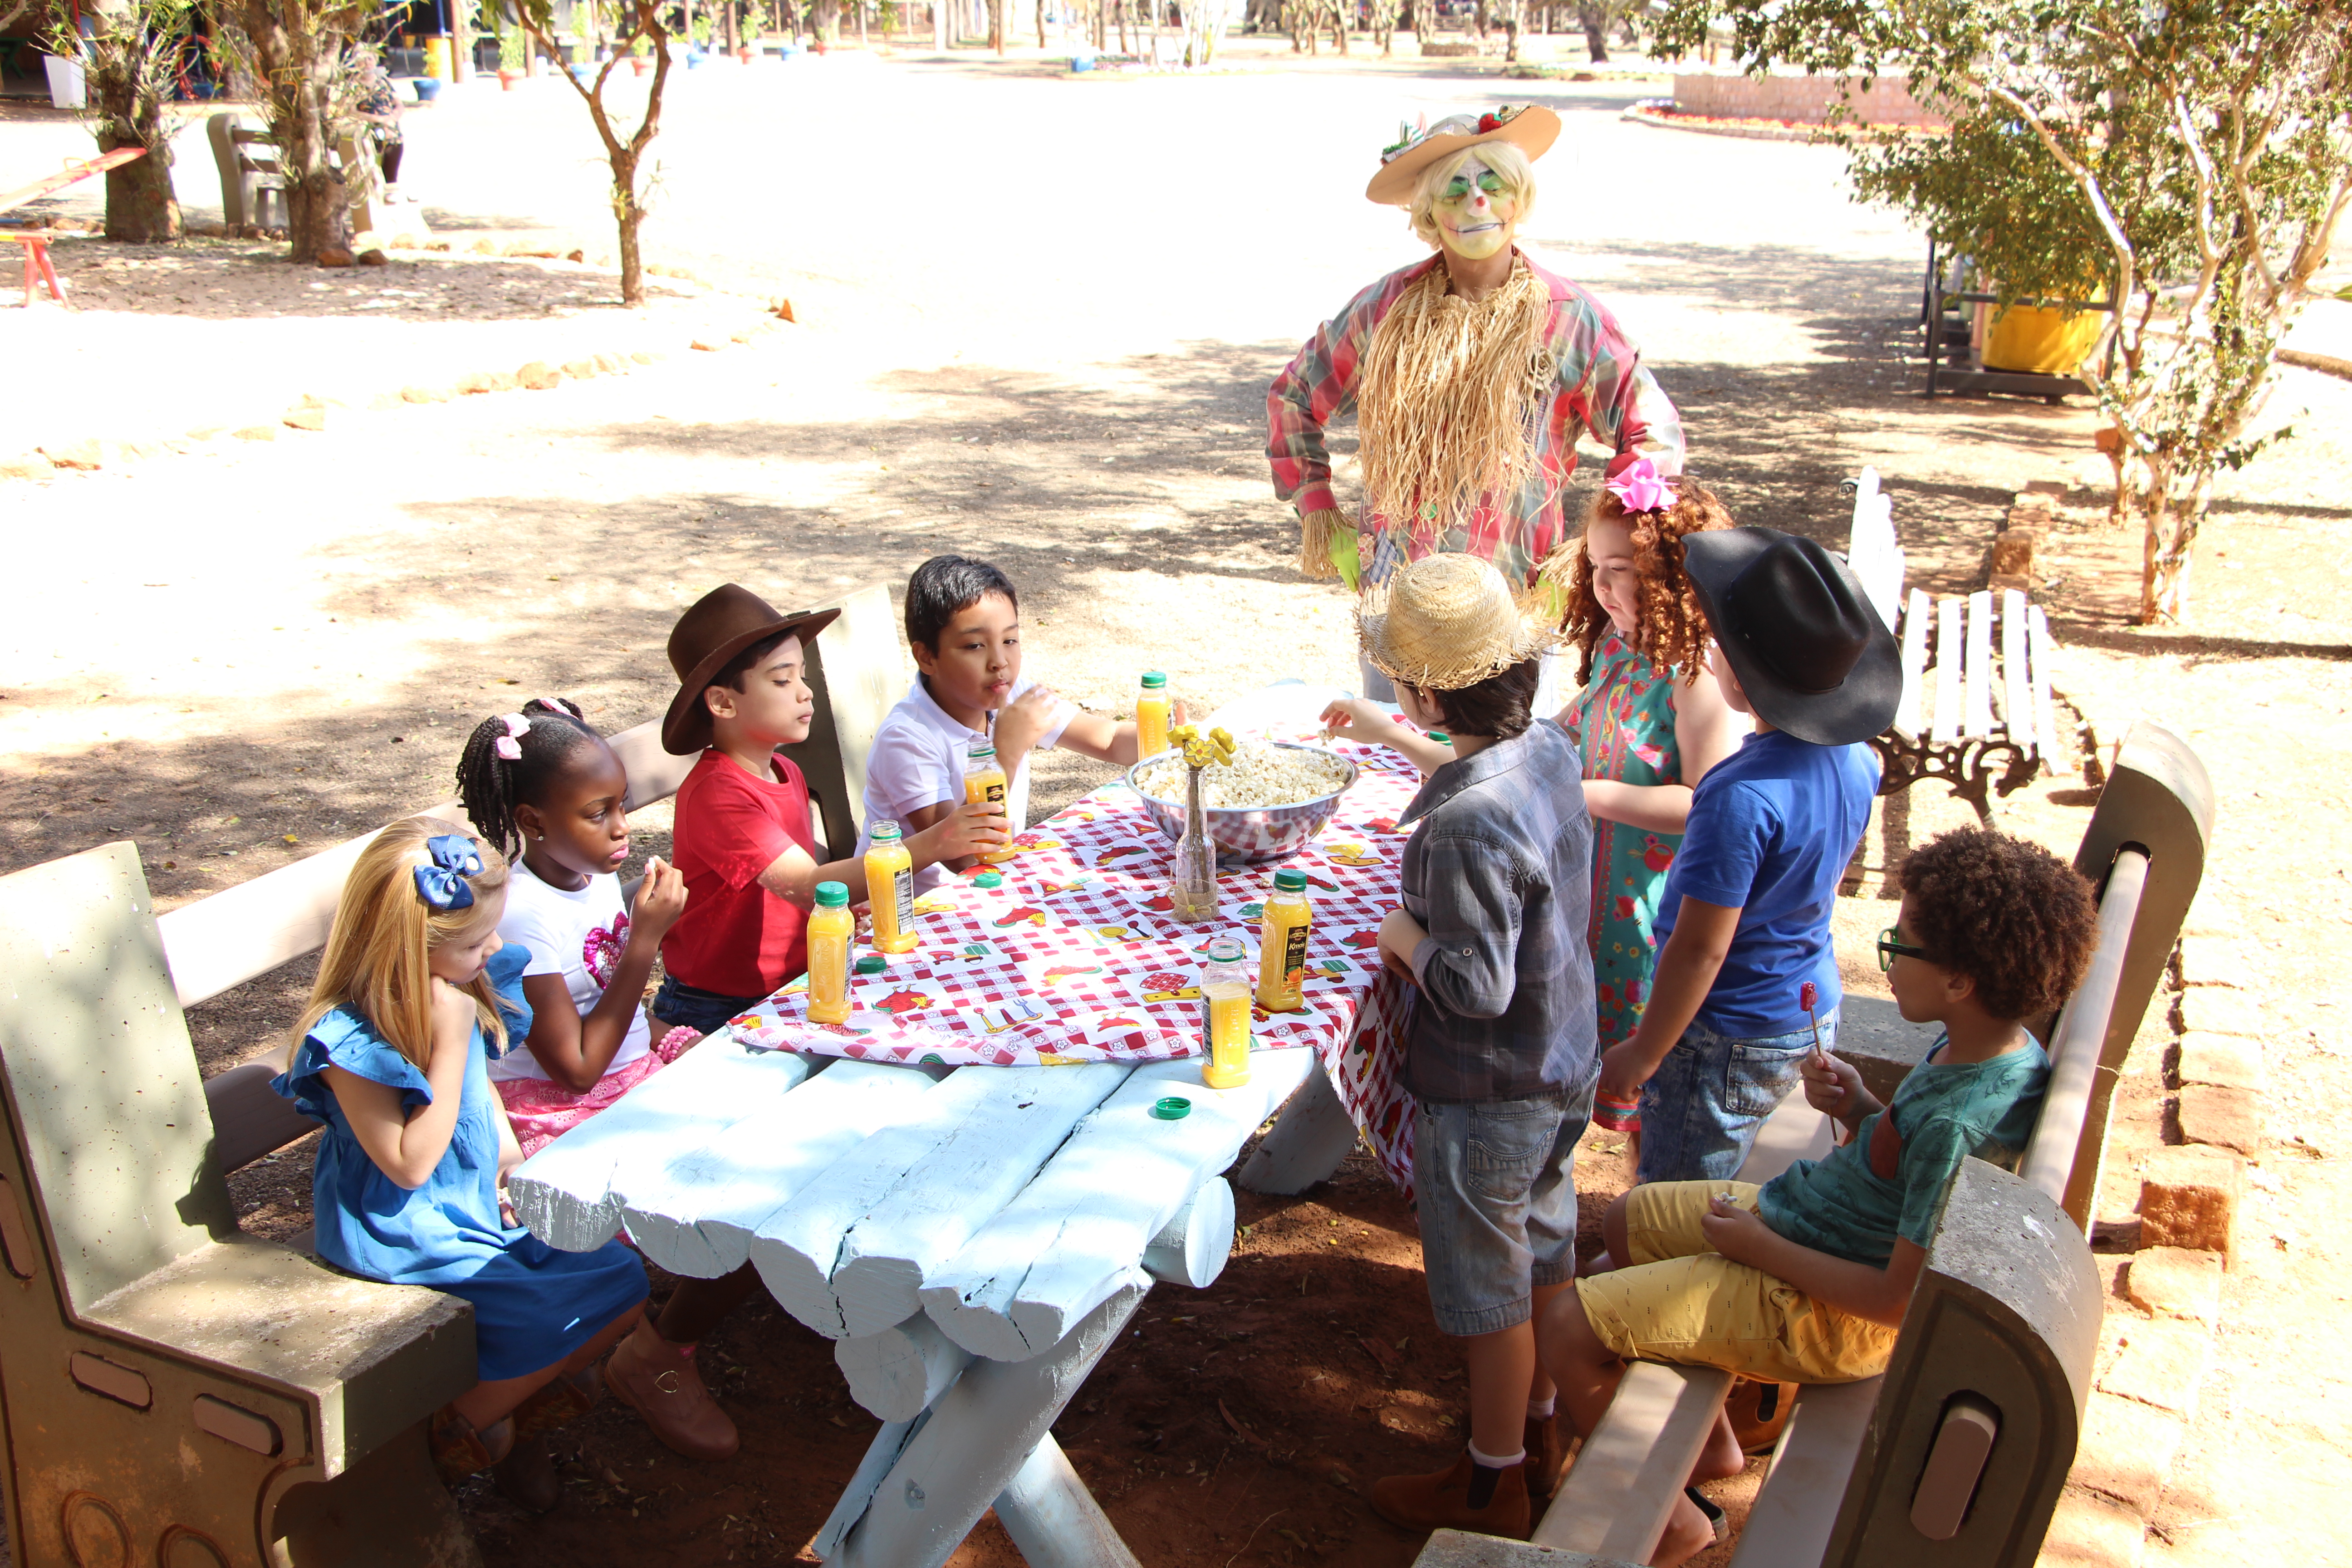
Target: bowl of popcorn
{"type": "Point", "coordinates": [1266, 804]}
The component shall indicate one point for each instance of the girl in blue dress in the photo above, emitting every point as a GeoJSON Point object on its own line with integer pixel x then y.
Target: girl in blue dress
{"type": "Point", "coordinates": [414, 993]}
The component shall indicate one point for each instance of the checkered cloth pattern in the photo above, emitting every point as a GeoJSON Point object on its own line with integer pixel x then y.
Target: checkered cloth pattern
{"type": "Point", "coordinates": [1076, 957]}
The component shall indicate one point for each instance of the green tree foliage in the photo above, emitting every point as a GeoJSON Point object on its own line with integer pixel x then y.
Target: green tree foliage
{"type": "Point", "coordinates": [2194, 157]}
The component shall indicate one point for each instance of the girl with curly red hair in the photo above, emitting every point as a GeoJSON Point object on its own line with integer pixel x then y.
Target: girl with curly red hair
{"type": "Point", "coordinates": [1649, 721]}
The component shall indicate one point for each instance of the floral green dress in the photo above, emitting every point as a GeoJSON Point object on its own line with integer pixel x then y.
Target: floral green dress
{"type": "Point", "coordinates": [1623, 723]}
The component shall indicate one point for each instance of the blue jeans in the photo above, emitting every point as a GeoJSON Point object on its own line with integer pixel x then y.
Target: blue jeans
{"type": "Point", "coordinates": [1701, 1109]}
{"type": "Point", "coordinates": [1495, 1186]}
{"type": "Point", "coordinates": [703, 1012]}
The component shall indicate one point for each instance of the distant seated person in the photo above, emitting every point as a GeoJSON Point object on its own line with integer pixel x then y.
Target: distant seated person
{"type": "Point", "coordinates": [376, 106]}
{"type": "Point", "coordinates": [1805, 1278]}
{"type": "Point", "coordinates": [964, 627]}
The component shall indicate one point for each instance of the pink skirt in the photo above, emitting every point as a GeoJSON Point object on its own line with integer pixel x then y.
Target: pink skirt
{"type": "Point", "coordinates": [543, 1110]}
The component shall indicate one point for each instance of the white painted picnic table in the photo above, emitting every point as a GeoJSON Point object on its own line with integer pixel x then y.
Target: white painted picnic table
{"type": "Point", "coordinates": [973, 1239]}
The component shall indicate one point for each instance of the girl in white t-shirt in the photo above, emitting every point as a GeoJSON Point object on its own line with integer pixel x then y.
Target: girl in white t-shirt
{"type": "Point", "coordinates": [546, 789]}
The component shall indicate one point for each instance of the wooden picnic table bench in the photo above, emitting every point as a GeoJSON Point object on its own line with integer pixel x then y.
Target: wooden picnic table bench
{"type": "Point", "coordinates": [173, 1391]}
{"type": "Point", "coordinates": [1955, 1455]}
{"type": "Point", "coordinates": [35, 241]}
{"type": "Point", "coordinates": [1985, 727]}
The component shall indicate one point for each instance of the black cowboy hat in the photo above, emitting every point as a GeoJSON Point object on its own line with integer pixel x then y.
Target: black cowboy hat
{"type": "Point", "coordinates": [1796, 628]}
{"type": "Point", "coordinates": [719, 626]}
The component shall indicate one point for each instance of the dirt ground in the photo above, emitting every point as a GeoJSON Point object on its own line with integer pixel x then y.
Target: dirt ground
{"type": "Point", "coordinates": [240, 654]}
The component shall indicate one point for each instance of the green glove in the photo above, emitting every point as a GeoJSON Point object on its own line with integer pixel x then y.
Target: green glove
{"type": "Point", "coordinates": [1343, 556]}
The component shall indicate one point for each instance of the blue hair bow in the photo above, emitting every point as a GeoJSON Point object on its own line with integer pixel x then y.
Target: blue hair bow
{"type": "Point", "coordinates": [442, 885]}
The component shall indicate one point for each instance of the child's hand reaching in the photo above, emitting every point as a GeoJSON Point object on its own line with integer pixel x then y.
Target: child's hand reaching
{"type": "Point", "coordinates": [1362, 719]}
{"type": "Point", "coordinates": [1023, 720]}
{"type": "Point", "coordinates": [971, 827]}
{"type": "Point", "coordinates": [1831, 1086]}
{"type": "Point", "coordinates": [661, 899]}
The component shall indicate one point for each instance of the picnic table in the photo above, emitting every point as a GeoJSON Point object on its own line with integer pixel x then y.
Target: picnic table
{"type": "Point", "coordinates": [36, 241]}
{"type": "Point", "coordinates": [968, 1185]}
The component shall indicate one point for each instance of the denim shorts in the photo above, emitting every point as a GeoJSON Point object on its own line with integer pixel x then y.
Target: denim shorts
{"type": "Point", "coordinates": [1495, 1187]}
{"type": "Point", "coordinates": [1701, 1109]}
{"type": "Point", "coordinates": [703, 1012]}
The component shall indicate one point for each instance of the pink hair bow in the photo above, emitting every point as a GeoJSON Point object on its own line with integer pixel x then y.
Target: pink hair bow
{"type": "Point", "coordinates": [508, 746]}
{"type": "Point", "coordinates": [1639, 486]}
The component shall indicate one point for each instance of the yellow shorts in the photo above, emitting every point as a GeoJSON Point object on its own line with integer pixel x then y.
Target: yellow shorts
{"type": "Point", "coordinates": [1679, 1300]}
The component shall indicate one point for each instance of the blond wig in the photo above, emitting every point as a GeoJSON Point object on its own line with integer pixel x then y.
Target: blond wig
{"type": "Point", "coordinates": [1517, 174]}
{"type": "Point", "coordinates": [376, 960]}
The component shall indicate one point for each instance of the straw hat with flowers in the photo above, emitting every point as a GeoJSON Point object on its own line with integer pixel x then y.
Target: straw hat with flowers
{"type": "Point", "coordinates": [1449, 621]}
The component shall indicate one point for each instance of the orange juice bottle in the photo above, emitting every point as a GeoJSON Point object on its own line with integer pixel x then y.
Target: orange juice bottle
{"type": "Point", "coordinates": [1226, 999]}
{"type": "Point", "coordinates": [829, 928]}
{"type": "Point", "coordinates": [983, 779]}
{"type": "Point", "coordinates": [1282, 944]}
{"type": "Point", "coordinates": [890, 889]}
{"type": "Point", "coordinates": [1151, 715]}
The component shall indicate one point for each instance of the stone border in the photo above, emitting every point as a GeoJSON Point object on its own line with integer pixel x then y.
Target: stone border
{"type": "Point", "coordinates": [1653, 112]}
{"type": "Point", "coordinates": [313, 412]}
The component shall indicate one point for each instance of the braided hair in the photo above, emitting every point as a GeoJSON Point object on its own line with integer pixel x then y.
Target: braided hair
{"type": "Point", "coordinates": [492, 786]}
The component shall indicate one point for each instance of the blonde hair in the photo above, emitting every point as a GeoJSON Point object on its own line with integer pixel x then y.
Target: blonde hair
{"type": "Point", "coordinates": [1517, 174]}
{"type": "Point", "coordinates": [376, 959]}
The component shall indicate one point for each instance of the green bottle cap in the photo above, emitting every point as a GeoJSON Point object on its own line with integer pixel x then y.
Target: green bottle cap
{"type": "Point", "coordinates": [1174, 1108]}
{"type": "Point", "coordinates": [872, 963]}
{"type": "Point", "coordinates": [886, 833]}
{"type": "Point", "coordinates": [989, 880]}
{"type": "Point", "coordinates": [832, 896]}
{"type": "Point", "coordinates": [1153, 680]}
{"type": "Point", "coordinates": [1290, 881]}
{"type": "Point", "coordinates": [1441, 737]}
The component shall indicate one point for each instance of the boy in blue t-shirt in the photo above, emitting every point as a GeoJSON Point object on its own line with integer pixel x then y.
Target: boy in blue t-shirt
{"type": "Point", "coordinates": [1806, 1278]}
{"type": "Point", "coordinates": [1744, 919]}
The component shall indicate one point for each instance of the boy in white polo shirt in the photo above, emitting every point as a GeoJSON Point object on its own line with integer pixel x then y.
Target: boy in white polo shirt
{"type": "Point", "coordinates": [963, 624]}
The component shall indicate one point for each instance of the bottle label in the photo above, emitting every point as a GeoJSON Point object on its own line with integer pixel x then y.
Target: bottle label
{"type": "Point", "coordinates": [902, 897]}
{"type": "Point", "coordinates": [1293, 957]}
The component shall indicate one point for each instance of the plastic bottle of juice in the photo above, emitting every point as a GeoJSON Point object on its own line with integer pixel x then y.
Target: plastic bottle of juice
{"type": "Point", "coordinates": [983, 779]}
{"type": "Point", "coordinates": [1225, 1003]}
{"type": "Point", "coordinates": [1282, 944]}
{"type": "Point", "coordinates": [1151, 715]}
{"type": "Point", "coordinates": [890, 889]}
{"type": "Point", "coordinates": [829, 928]}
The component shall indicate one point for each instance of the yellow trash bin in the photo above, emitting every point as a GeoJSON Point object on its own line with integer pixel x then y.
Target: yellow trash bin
{"type": "Point", "coordinates": [437, 59]}
{"type": "Point", "coordinates": [2040, 342]}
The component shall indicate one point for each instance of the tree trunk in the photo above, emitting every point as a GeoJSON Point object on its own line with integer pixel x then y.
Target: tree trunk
{"type": "Point", "coordinates": [996, 25]}
{"type": "Point", "coordinates": [2170, 539]}
{"type": "Point", "coordinates": [141, 207]}
{"type": "Point", "coordinates": [1595, 19]}
{"type": "Point", "coordinates": [296, 65]}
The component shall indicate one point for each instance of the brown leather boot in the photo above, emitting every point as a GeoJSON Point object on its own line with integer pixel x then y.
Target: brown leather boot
{"type": "Point", "coordinates": [527, 1476]}
{"type": "Point", "coordinates": [658, 1381]}
{"type": "Point", "coordinates": [1545, 1455]}
{"type": "Point", "coordinates": [1442, 1501]}
{"type": "Point", "coordinates": [460, 1451]}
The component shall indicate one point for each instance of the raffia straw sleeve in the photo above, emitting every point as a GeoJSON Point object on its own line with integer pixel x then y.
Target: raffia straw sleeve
{"type": "Point", "coordinates": [1449, 621]}
{"type": "Point", "coordinates": [1315, 531]}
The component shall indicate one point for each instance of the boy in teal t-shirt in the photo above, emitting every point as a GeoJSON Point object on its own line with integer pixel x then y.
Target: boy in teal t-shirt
{"type": "Point", "coordinates": [1993, 931]}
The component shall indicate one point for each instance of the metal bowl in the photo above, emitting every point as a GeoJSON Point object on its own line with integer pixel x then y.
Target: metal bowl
{"type": "Point", "coordinates": [1252, 835]}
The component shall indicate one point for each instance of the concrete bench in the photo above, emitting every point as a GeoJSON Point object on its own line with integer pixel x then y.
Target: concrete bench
{"type": "Point", "coordinates": [176, 1391]}
{"type": "Point", "coordinates": [1957, 1454]}
{"type": "Point", "coordinates": [1987, 727]}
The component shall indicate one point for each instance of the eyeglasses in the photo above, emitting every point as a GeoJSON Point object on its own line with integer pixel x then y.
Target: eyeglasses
{"type": "Point", "coordinates": [1891, 947]}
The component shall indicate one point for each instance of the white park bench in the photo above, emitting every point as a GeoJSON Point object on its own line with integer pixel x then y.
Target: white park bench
{"type": "Point", "coordinates": [1984, 726]}
{"type": "Point", "coordinates": [1955, 1456]}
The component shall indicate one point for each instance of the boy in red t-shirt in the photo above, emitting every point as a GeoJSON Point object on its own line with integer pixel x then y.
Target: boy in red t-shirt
{"type": "Point", "coordinates": [748, 851]}
{"type": "Point", "coordinates": [743, 839]}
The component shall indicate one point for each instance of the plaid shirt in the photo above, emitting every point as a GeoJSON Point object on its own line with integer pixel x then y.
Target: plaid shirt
{"type": "Point", "coordinates": [1499, 873]}
{"type": "Point", "coordinates": [1602, 388]}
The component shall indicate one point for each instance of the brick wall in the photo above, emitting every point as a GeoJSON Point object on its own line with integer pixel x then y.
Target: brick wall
{"type": "Point", "coordinates": [1803, 98]}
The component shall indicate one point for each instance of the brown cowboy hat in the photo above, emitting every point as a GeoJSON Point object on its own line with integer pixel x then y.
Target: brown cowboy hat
{"type": "Point", "coordinates": [719, 626]}
{"type": "Point", "coordinates": [1530, 127]}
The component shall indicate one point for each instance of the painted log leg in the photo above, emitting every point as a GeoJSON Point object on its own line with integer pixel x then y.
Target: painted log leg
{"type": "Point", "coordinates": [898, 1373]}
{"type": "Point", "coordinates": [977, 1437]}
{"type": "Point", "coordinates": [1053, 1519]}
{"type": "Point", "coordinates": [1192, 1249]}
{"type": "Point", "coordinates": [1306, 1143]}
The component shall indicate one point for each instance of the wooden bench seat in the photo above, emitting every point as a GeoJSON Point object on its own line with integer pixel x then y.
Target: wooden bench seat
{"type": "Point", "coordinates": [2007, 1311]}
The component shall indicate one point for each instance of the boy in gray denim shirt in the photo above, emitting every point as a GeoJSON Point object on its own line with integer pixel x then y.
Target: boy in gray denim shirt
{"type": "Point", "coordinates": [1500, 1049]}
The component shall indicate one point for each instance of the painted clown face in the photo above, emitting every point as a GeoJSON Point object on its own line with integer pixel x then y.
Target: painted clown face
{"type": "Point", "coordinates": [1476, 213]}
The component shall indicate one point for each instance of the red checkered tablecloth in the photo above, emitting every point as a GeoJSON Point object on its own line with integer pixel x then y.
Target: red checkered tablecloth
{"type": "Point", "coordinates": [1076, 957]}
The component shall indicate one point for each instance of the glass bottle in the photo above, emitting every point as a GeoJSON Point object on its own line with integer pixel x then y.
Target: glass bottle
{"type": "Point", "coordinates": [890, 889]}
{"type": "Point", "coordinates": [1151, 715]}
{"type": "Point", "coordinates": [830, 925]}
{"type": "Point", "coordinates": [1193, 888]}
{"type": "Point", "coordinates": [983, 779]}
{"type": "Point", "coordinates": [1226, 1014]}
{"type": "Point", "coordinates": [1282, 944]}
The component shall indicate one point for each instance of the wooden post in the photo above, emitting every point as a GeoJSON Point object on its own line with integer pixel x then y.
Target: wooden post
{"type": "Point", "coordinates": [978, 1437]}
{"type": "Point", "coordinates": [1053, 1519]}
{"type": "Point", "coordinates": [898, 1372]}
{"type": "Point", "coordinates": [1192, 1249]}
{"type": "Point", "coordinates": [1306, 1144]}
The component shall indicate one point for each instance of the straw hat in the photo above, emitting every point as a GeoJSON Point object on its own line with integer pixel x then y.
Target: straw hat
{"type": "Point", "coordinates": [1530, 127]}
{"type": "Point", "coordinates": [1449, 621]}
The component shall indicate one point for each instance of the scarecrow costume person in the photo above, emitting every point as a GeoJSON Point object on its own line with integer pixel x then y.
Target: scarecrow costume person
{"type": "Point", "coordinates": [1471, 375]}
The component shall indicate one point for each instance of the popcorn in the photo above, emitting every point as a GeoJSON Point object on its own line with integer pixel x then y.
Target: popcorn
{"type": "Point", "coordinates": [1246, 775]}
